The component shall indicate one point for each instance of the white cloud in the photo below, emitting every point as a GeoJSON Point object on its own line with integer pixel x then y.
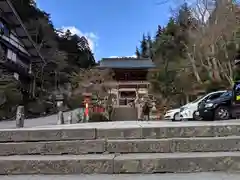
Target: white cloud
{"type": "Point", "coordinates": [133, 56]}
{"type": "Point", "coordinates": [90, 36]}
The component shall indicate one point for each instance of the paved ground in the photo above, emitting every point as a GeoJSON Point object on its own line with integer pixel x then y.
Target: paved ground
{"type": "Point", "coordinates": [196, 176]}
{"type": "Point", "coordinates": [51, 121]}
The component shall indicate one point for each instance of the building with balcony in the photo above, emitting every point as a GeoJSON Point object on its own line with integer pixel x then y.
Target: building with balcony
{"type": "Point", "coordinates": [18, 52]}
{"type": "Point", "coordinates": [129, 79]}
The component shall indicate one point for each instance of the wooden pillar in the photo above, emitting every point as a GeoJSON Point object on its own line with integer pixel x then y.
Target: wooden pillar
{"type": "Point", "coordinates": [33, 87]}
{"type": "Point", "coordinates": [137, 94]}
{"type": "Point", "coordinates": [117, 96]}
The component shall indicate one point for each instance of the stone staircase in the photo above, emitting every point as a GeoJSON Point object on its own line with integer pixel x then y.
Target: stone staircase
{"type": "Point", "coordinates": [121, 147]}
{"type": "Point", "coordinates": [124, 113]}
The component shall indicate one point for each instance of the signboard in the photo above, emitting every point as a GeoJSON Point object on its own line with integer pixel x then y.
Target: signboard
{"type": "Point", "coordinates": [236, 100]}
{"type": "Point", "coordinates": [236, 92]}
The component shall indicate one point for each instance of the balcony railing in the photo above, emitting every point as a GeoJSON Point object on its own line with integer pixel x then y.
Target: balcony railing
{"type": "Point", "coordinates": [17, 66]}
{"type": "Point", "coordinates": [15, 42]}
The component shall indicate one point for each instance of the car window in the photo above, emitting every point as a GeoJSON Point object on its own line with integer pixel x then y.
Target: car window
{"type": "Point", "coordinates": [227, 94]}
{"type": "Point", "coordinates": [214, 96]}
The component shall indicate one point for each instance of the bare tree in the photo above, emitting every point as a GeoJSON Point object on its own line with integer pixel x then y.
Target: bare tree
{"type": "Point", "coordinates": [94, 81]}
{"type": "Point", "coordinates": [45, 38]}
{"type": "Point", "coordinates": [210, 36]}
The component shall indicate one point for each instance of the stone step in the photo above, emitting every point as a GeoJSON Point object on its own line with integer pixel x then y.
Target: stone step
{"type": "Point", "coordinates": [99, 146]}
{"type": "Point", "coordinates": [125, 163]}
{"type": "Point", "coordinates": [126, 113]}
{"type": "Point", "coordinates": [121, 130]}
{"type": "Point", "coordinates": [177, 162]}
{"type": "Point", "coordinates": [74, 147]}
{"type": "Point", "coordinates": [172, 145]}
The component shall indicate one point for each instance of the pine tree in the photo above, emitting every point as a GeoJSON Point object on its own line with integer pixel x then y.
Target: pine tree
{"type": "Point", "coordinates": [159, 32]}
{"type": "Point", "coordinates": [137, 53]}
{"type": "Point", "coordinates": [144, 47]}
{"type": "Point", "coordinates": [150, 45]}
{"type": "Point", "coordinates": [184, 16]}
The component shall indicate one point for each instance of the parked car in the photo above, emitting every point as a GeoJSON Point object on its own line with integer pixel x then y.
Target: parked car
{"type": "Point", "coordinates": [217, 109]}
{"type": "Point", "coordinates": [188, 112]}
{"type": "Point", "coordinates": [172, 114]}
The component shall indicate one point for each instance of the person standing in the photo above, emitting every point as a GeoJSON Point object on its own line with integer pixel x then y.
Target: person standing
{"type": "Point", "coordinates": [146, 111]}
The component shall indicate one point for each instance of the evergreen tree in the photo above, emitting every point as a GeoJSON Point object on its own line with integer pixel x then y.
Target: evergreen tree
{"type": "Point", "coordinates": [150, 46]}
{"type": "Point", "coordinates": [144, 47]}
{"type": "Point", "coordinates": [159, 32]}
{"type": "Point", "coordinates": [137, 53]}
{"type": "Point", "coordinates": [60, 51]}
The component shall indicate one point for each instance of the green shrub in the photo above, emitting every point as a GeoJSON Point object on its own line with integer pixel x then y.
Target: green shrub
{"type": "Point", "coordinates": [11, 99]}
{"type": "Point", "coordinates": [39, 108]}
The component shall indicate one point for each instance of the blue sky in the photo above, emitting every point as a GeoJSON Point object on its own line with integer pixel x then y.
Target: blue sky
{"type": "Point", "coordinates": [114, 27]}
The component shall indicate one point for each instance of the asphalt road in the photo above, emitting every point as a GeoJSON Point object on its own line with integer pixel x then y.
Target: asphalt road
{"type": "Point", "coordinates": [195, 176]}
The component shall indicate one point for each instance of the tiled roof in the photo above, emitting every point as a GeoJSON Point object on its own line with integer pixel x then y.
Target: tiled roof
{"type": "Point", "coordinates": [126, 63]}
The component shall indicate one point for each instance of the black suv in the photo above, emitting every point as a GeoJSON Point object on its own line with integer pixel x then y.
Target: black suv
{"type": "Point", "coordinates": [217, 109]}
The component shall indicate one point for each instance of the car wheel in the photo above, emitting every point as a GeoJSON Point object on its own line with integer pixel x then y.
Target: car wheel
{"type": "Point", "coordinates": [196, 116]}
{"type": "Point", "coordinates": [176, 117]}
{"type": "Point", "coordinates": [222, 113]}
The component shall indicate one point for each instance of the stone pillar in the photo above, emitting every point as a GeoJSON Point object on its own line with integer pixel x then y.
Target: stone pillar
{"type": "Point", "coordinates": [60, 118]}
{"type": "Point", "coordinates": [20, 117]}
{"type": "Point", "coordinates": [70, 118]}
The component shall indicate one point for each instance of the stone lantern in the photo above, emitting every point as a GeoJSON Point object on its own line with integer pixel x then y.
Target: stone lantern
{"type": "Point", "coordinates": [59, 100]}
